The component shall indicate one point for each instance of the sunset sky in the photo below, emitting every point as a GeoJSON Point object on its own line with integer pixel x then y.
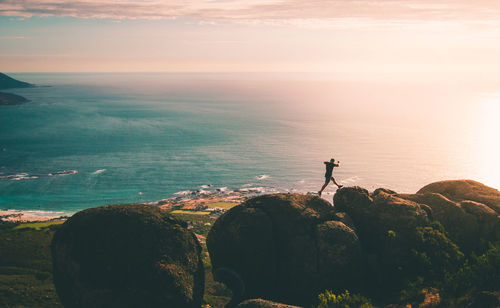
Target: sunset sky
{"type": "Point", "coordinates": [250, 35]}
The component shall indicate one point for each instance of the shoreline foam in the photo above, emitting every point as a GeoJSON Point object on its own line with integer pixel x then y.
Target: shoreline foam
{"type": "Point", "coordinates": [205, 198]}
{"type": "Point", "coordinates": [31, 215]}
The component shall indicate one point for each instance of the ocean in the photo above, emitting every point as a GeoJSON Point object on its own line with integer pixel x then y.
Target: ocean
{"type": "Point", "coordinates": [91, 139]}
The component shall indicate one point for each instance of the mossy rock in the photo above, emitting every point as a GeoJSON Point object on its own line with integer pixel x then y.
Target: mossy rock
{"type": "Point", "coordinates": [127, 256]}
{"type": "Point", "coordinates": [374, 215]}
{"type": "Point", "coordinates": [282, 247]}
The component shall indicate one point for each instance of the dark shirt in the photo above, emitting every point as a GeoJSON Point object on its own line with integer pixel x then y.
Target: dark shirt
{"type": "Point", "coordinates": [329, 169]}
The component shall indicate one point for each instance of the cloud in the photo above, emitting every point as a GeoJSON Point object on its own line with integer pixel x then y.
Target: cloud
{"type": "Point", "coordinates": [277, 11]}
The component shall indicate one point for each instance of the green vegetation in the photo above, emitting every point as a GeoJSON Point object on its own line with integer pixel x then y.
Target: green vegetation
{"type": "Point", "coordinates": [405, 274]}
{"type": "Point", "coordinates": [199, 224]}
{"type": "Point", "coordinates": [479, 273]}
{"type": "Point", "coordinates": [38, 225]}
{"type": "Point", "coordinates": [216, 293]}
{"type": "Point", "coordinates": [195, 218]}
{"type": "Point", "coordinates": [397, 261]}
{"type": "Point", "coordinates": [223, 205]}
{"type": "Point", "coordinates": [26, 267]}
{"type": "Point", "coordinates": [464, 286]}
{"type": "Point", "coordinates": [328, 299]}
{"type": "Point", "coordinates": [189, 212]}
{"type": "Point", "coordinates": [474, 282]}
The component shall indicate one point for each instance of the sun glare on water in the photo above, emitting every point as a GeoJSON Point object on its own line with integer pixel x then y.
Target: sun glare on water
{"type": "Point", "coordinates": [489, 140]}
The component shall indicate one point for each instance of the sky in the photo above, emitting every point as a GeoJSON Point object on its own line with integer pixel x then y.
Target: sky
{"type": "Point", "coordinates": [331, 36]}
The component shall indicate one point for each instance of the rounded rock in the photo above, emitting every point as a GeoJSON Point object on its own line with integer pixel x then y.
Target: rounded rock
{"type": "Point", "coordinates": [282, 247]}
{"type": "Point", "coordinates": [127, 256]}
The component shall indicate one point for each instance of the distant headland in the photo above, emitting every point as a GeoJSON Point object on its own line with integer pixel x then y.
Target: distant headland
{"type": "Point", "coordinates": [9, 99]}
{"type": "Point", "coordinates": [7, 82]}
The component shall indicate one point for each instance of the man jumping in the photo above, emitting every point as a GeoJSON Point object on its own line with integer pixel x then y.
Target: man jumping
{"type": "Point", "coordinates": [328, 174]}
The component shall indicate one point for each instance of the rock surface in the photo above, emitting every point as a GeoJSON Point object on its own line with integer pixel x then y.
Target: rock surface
{"type": "Point", "coordinates": [460, 190]}
{"type": "Point", "coordinates": [466, 209]}
{"type": "Point", "coordinates": [396, 238]}
{"type": "Point", "coordinates": [376, 214]}
{"type": "Point", "coordinates": [288, 248]}
{"type": "Point", "coordinates": [466, 221]}
{"type": "Point", "coordinates": [283, 247]}
{"type": "Point", "coordinates": [127, 256]}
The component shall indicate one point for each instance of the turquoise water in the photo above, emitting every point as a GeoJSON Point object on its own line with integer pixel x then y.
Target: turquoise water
{"type": "Point", "coordinates": [144, 137]}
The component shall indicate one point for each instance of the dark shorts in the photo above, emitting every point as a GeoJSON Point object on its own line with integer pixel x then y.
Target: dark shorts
{"type": "Point", "coordinates": [328, 178]}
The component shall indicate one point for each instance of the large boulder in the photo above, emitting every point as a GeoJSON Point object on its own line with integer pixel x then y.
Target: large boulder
{"type": "Point", "coordinates": [374, 215]}
{"type": "Point", "coordinates": [469, 223]}
{"type": "Point", "coordinates": [459, 190]}
{"type": "Point", "coordinates": [283, 247]}
{"type": "Point", "coordinates": [127, 256]}
{"type": "Point", "coordinates": [397, 240]}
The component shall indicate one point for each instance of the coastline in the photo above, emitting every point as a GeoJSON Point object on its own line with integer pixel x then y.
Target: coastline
{"type": "Point", "coordinates": [10, 99]}
{"type": "Point", "coordinates": [21, 216]}
{"type": "Point", "coordinates": [208, 201]}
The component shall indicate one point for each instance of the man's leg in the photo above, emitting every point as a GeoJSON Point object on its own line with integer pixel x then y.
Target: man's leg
{"type": "Point", "coordinates": [324, 186]}
{"type": "Point", "coordinates": [335, 182]}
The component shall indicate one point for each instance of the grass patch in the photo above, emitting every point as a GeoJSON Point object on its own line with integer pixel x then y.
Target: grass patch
{"type": "Point", "coordinates": [38, 225]}
{"type": "Point", "coordinates": [190, 212]}
{"type": "Point", "coordinates": [223, 205]}
{"type": "Point", "coordinates": [26, 267]}
{"type": "Point", "coordinates": [216, 294]}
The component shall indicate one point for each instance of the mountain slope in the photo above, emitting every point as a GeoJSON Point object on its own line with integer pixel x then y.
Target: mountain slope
{"type": "Point", "coordinates": [7, 82]}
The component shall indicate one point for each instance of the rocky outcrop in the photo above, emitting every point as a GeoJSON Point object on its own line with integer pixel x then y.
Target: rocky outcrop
{"type": "Point", "coordinates": [127, 256]}
{"type": "Point", "coordinates": [455, 204]}
{"type": "Point", "coordinates": [465, 208]}
{"type": "Point", "coordinates": [283, 247]}
{"type": "Point", "coordinates": [374, 215]}
{"type": "Point", "coordinates": [287, 247]}
{"type": "Point", "coordinates": [466, 222]}
{"type": "Point", "coordinates": [397, 241]}
{"type": "Point", "coordinates": [460, 190]}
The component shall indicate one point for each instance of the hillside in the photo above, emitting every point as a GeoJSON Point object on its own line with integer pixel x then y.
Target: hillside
{"type": "Point", "coordinates": [7, 82]}
{"type": "Point", "coordinates": [9, 99]}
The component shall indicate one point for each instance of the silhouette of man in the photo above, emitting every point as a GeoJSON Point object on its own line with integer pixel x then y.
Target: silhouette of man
{"type": "Point", "coordinates": [328, 174]}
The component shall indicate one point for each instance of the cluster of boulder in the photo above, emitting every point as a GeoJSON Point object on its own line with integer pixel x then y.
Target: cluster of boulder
{"type": "Point", "coordinates": [467, 209]}
{"type": "Point", "coordinates": [288, 247]}
{"type": "Point", "coordinates": [282, 247]}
